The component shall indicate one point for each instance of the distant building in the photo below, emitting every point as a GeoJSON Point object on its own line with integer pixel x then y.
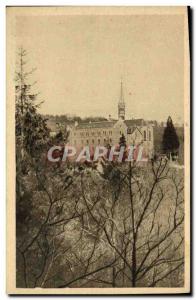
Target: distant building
{"type": "Point", "coordinates": [104, 133]}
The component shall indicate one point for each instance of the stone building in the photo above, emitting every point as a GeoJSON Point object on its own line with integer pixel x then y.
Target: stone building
{"type": "Point", "coordinates": [104, 133]}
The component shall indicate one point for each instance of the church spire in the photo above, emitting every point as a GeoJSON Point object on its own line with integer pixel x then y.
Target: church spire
{"type": "Point", "coordinates": [121, 103]}
{"type": "Point", "coordinates": [121, 100]}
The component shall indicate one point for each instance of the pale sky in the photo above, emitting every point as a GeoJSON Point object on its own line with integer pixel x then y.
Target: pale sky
{"type": "Point", "coordinates": [80, 61]}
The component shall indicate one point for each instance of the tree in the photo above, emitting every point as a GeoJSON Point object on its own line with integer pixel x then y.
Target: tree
{"type": "Point", "coordinates": [140, 223]}
{"type": "Point", "coordinates": [122, 141]}
{"type": "Point", "coordinates": [170, 142]}
{"type": "Point", "coordinates": [48, 207]}
{"type": "Point", "coordinates": [31, 130]}
{"type": "Point", "coordinates": [129, 234]}
{"type": "Point", "coordinates": [55, 245]}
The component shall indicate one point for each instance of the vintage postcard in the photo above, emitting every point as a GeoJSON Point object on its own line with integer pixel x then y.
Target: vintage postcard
{"type": "Point", "coordinates": [98, 150]}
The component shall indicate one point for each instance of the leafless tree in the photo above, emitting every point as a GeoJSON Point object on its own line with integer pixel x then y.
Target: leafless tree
{"type": "Point", "coordinates": [138, 215]}
{"type": "Point", "coordinates": [54, 243]}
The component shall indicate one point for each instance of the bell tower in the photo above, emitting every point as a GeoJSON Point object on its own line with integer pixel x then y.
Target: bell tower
{"type": "Point", "coordinates": [121, 104]}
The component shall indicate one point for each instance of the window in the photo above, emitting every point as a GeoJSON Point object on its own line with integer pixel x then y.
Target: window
{"type": "Point", "coordinates": [98, 141]}
{"type": "Point", "coordinates": [93, 141]}
{"type": "Point", "coordinates": [144, 135]}
{"type": "Point", "coordinates": [87, 141]}
{"type": "Point", "coordinates": [149, 135]}
{"type": "Point", "coordinates": [110, 140]}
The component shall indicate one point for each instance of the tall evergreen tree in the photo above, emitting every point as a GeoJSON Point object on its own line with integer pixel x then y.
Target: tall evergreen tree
{"type": "Point", "coordinates": [122, 141]}
{"type": "Point", "coordinates": [31, 130]}
{"type": "Point", "coordinates": [170, 142]}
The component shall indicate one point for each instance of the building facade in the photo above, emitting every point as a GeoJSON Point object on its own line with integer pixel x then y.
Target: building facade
{"type": "Point", "coordinates": [136, 132]}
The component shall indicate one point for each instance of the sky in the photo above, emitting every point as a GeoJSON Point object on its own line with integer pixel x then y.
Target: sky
{"type": "Point", "coordinates": [81, 60]}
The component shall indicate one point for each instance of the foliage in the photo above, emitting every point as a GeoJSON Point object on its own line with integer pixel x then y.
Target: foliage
{"type": "Point", "coordinates": [122, 141]}
{"type": "Point", "coordinates": [170, 141]}
{"type": "Point", "coordinates": [70, 119]}
{"type": "Point", "coordinates": [31, 130]}
{"type": "Point", "coordinates": [128, 234]}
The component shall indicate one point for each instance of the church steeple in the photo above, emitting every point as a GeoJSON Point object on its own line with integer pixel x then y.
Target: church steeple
{"type": "Point", "coordinates": [121, 104]}
{"type": "Point", "coordinates": [121, 100]}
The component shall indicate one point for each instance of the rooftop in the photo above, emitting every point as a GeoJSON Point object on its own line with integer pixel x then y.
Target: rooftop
{"type": "Point", "coordinates": [134, 122]}
{"type": "Point", "coordinates": [101, 124]}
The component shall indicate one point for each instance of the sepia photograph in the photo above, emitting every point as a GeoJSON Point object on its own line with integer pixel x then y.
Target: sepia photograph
{"type": "Point", "coordinates": [98, 150]}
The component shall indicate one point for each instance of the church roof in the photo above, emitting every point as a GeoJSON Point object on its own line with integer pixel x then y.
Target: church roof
{"type": "Point", "coordinates": [134, 122]}
{"type": "Point", "coordinates": [101, 124]}
{"type": "Point", "coordinates": [132, 129]}
{"type": "Point", "coordinates": [109, 124]}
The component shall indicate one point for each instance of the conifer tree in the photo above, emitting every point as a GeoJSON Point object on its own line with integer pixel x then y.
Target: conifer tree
{"type": "Point", "coordinates": [31, 130]}
{"type": "Point", "coordinates": [122, 141]}
{"type": "Point", "coordinates": [170, 142]}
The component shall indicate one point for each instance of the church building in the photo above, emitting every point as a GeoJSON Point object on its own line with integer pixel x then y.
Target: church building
{"type": "Point", "coordinates": [136, 131]}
